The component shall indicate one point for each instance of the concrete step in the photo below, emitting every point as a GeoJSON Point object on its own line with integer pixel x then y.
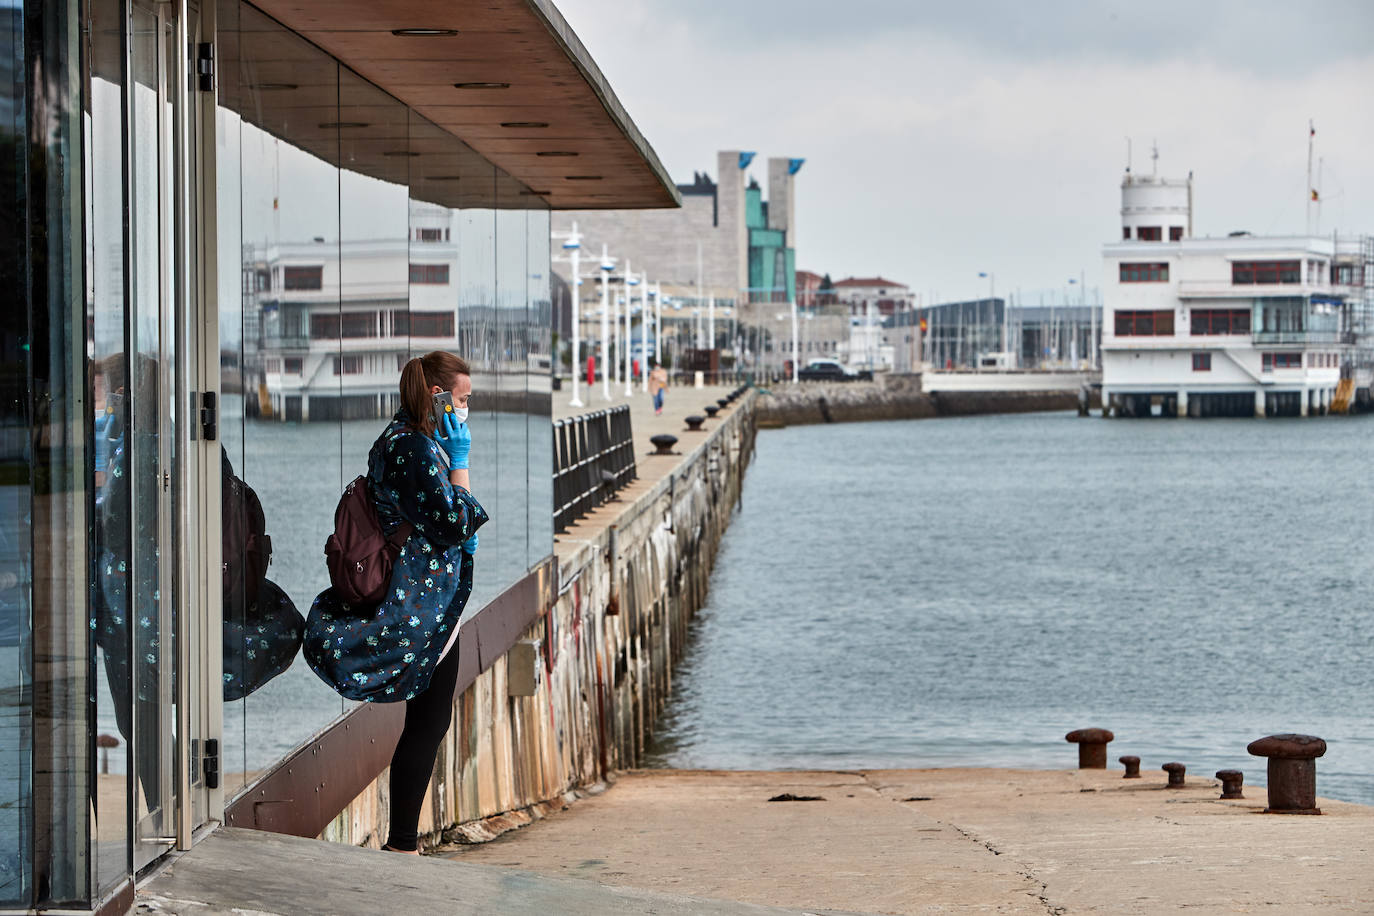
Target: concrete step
{"type": "Point", "coordinates": [235, 872]}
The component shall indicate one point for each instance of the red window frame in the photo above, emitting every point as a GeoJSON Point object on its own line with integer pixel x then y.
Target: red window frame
{"type": "Point", "coordinates": [302, 278]}
{"type": "Point", "coordinates": [1175, 233]}
{"type": "Point", "coordinates": [1202, 362]}
{"type": "Point", "coordinates": [1153, 323]}
{"type": "Point", "coordinates": [1148, 233]}
{"type": "Point", "coordinates": [1283, 360]}
{"type": "Point", "coordinates": [1265, 273]}
{"type": "Point", "coordinates": [1136, 272]}
{"type": "Point", "coordinates": [432, 274]}
{"type": "Point", "coordinates": [1208, 322]}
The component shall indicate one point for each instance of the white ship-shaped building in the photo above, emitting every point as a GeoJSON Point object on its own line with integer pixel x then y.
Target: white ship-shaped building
{"type": "Point", "coordinates": [1236, 326]}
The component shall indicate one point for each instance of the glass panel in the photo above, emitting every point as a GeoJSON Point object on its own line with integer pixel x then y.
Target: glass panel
{"type": "Point", "coordinates": [105, 300]}
{"type": "Point", "coordinates": [280, 102]}
{"type": "Point", "coordinates": [478, 332]}
{"type": "Point", "coordinates": [145, 635]}
{"type": "Point", "coordinates": [508, 561]}
{"type": "Point", "coordinates": [16, 556]}
{"type": "Point", "coordinates": [45, 468]}
{"type": "Point", "coordinates": [538, 420]}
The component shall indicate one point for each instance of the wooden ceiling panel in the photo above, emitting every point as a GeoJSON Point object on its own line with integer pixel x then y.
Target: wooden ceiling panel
{"type": "Point", "coordinates": [525, 43]}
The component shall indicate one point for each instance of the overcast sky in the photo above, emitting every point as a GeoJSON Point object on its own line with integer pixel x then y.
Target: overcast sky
{"type": "Point", "coordinates": [945, 139]}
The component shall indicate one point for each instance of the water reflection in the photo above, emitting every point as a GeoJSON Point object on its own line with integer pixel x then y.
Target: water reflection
{"type": "Point", "coordinates": [365, 235]}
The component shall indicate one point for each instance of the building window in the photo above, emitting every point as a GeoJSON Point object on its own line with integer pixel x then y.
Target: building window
{"type": "Point", "coordinates": [1221, 321]}
{"type": "Point", "coordinates": [350, 364]}
{"type": "Point", "coordinates": [1148, 233]}
{"type": "Point", "coordinates": [1125, 232]}
{"type": "Point", "coordinates": [1175, 233]}
{"type": "Point", "coordinates": [429, 235]}
{"type": "Point", "coordinates": [1145, 324]}
{"type": "Point", "coordinates": [295, 365]}
{"type": "Point", "coordinates": [1144, 273]}
{"type": "Point", "coordinates": [1246, 273]}
{"type": "Point", "coordinates": [431, 324]}
{"type": "Point", "coordinates": [429, 273]}
{"type": "Point", "coordinates": [303, 278]}
{"type": "Point", "coordinates": [1347, 274]}
{"type": "Point", "coordinates": [1272, 361]}
{"type": "Point", "coordinates": [324, 327]}
{"type": "Point", "coordinates": [360, 324]}
{"type": "Point", "coordinates": [1267, 362]}
{"type": "Point", "coordinates": [1202, 362]}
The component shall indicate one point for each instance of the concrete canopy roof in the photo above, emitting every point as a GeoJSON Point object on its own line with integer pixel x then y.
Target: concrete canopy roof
{"type": "Point", "coordinates": [509, 78]}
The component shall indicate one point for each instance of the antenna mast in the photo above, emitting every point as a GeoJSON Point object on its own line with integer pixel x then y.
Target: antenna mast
{"type": "Point", "coordinates": [1311, 135]}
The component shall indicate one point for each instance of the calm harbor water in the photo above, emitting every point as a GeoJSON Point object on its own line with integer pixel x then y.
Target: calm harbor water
{"type": "Point", "coordinates": [962, 592]}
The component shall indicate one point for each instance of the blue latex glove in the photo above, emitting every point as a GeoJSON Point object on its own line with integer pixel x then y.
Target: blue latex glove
{"type": "Point", "coordinates": [453, 437]}
{"type": "Point", "coordinates": [470, 546]}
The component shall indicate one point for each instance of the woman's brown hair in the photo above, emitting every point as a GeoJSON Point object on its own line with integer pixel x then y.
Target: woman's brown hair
{"type": "Point", "coordinates": [421, 374]}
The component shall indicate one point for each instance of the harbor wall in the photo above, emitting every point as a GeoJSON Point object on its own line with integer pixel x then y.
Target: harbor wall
{"type": "Point", "coordinates": [894, 397]}
{"type": "Point", "coordinates": [577, 697]}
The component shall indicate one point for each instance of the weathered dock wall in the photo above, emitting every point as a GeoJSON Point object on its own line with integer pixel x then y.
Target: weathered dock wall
{"type": "Point", "coordinates": [894, 397]}
{"type": "Point", "coordinates": [630, 576]}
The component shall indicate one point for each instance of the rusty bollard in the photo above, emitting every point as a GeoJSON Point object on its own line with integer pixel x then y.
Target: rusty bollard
{"type": "Point", "coordinates": [711, 411]}
{"type": "Point", "coordinates": [694, 422]}
{"type": "Point", "coordinates": [1230, 783]}
{"type": "Point", "coordinates": [663, 443]}
{"type": "Point", "coordinates": [1132, 766]}
{"type": "Point", "coordinates": [1092, 747]}
{"type": "Point", "coordinates": [1292, 772]}
{"type": "Point", "coordinates": [1175, 771]}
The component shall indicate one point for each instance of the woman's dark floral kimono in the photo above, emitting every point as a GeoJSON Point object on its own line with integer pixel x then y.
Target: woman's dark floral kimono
{"type": "Point", "coordinates": [387, 653]}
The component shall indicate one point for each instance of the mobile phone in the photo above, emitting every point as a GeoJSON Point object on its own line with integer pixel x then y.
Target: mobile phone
{"type": "Point", "coordinates": [443, 403]}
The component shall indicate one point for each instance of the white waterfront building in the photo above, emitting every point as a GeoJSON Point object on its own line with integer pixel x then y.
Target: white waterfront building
{"type": "Point", "coordinates": [1236, 326]}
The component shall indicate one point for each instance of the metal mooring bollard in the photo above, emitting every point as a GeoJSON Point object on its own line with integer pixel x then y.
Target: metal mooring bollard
{"type": "Point", "coordinates": [711, 411]}
{"type": "Point", "coordinates": [722, 402]}
{"type": "Point", "coordinates": [664, 443]}
{"type": "Point", "coordinates": [694, 421]}
{"type": "Point", "coordinates": [1092, 747]}
{"type": "Point", "coordinates": [1132, 766]}
{"type": "Point", "coordinates": [1292, 772]}
{"type": "Point", "coordinates": [1175, 771]}
{"type": "Point", "coordinates": [1230, 783]}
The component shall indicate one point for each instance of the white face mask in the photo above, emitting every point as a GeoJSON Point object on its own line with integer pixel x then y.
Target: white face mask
{"type": "Point", "coordinates": [460, 414]}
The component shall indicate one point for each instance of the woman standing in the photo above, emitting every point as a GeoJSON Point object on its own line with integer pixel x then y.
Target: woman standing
{"type": "Point", "coordinates": [404, 648]}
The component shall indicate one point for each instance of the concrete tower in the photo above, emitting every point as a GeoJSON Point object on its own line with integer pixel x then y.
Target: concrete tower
{"type": "Point", "coordinates": [1155, 209]}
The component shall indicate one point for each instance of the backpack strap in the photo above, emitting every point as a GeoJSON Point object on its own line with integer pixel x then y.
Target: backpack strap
{"type": "Point", "coordinates": [398, 537]}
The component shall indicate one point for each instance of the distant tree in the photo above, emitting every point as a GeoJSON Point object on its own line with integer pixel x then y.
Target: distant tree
{"type": "Point", "coordinates": [826, 284]}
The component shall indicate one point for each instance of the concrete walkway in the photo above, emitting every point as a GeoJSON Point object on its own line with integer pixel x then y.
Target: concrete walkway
{"type": "Point", "coordinates": [982, 840]}
{"type": "Point", "coordinates": [249, 873]}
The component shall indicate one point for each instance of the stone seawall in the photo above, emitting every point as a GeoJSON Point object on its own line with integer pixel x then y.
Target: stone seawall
{"type": "Point", "coordinates": [630, 577]}
{"type": "Point", "coordinates": [896, 397]}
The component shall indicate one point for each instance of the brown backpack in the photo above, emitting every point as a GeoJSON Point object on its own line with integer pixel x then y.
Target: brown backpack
{"type": "Point", "coordinates": [359, 553]}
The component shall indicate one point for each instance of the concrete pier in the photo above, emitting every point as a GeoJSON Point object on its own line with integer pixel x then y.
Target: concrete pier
{"type": "Point", "coordinates": [986, 840]}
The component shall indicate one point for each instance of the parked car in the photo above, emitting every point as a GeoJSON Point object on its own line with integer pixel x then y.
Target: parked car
{"type": "Point", "coordinates": [831, 370]}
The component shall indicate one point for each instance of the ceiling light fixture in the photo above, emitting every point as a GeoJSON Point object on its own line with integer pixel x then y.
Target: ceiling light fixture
{"type": "Point", "coordinates": [582, 177]}
{"type": "Point", "coordinates": [423, 33]}
{"type": "Point", "coordinates": [521, 124]}
{"type": "Point", "coordinates": [335, 125]}
{"type": "Point", "coordinates": [480, 84]}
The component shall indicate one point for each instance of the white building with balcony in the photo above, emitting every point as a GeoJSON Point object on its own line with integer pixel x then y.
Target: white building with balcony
{"type": "Point", "coordinates": [1235, 326]}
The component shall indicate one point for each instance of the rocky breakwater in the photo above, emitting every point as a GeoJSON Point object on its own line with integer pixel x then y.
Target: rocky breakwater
{"type": "Point", "coordinates": [892, 397]}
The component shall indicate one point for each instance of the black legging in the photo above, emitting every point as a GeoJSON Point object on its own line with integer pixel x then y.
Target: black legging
{"type": "Point", "coordinates": [427, 719]}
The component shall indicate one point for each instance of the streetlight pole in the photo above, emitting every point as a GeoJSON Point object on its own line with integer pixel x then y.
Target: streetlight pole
{"type": "Point", "coordinates": [796, 355]}
{"type": "Point", "coordinates": [573, 246]}
{"type": "Point", "coordinates": [630, 284]}
{"type": "Point", "coordinates": [607, 265]}
{"type": "Point", "coordinates": [644, 334]}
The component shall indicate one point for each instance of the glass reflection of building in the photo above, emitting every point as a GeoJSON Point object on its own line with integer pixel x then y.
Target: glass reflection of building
{"type": "Point", "coordinates": [214, 282]}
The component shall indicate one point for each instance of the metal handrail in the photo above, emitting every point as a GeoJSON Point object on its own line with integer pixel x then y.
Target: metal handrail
{"type": "Point", "coordinates": [593, 458]}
